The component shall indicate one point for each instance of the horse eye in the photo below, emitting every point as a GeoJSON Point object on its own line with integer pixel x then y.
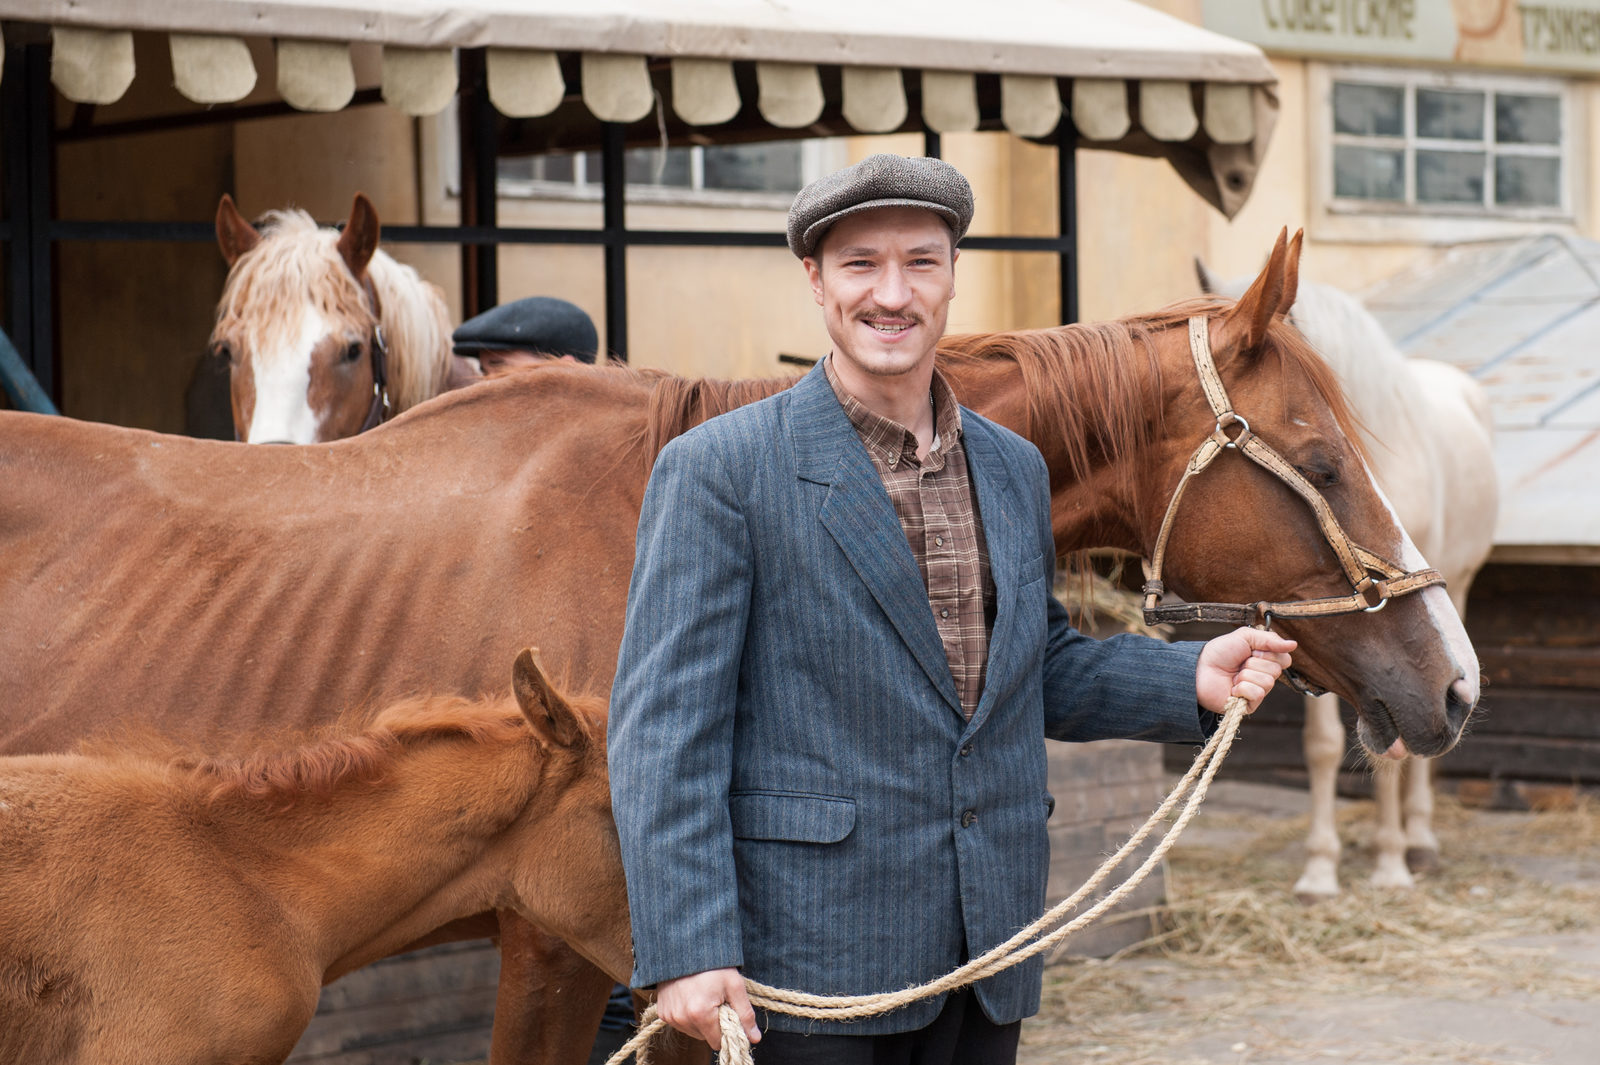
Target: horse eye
{"type": "Point", "coordinates": [222, 352]}
{"type": "Point", "coordinates": [353, 352]}
{"type": "Point", "coordinates": [1319, 476]}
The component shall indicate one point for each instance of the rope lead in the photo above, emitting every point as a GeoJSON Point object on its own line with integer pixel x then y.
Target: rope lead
{"type": "Point", "coordinates": [1032, 940]}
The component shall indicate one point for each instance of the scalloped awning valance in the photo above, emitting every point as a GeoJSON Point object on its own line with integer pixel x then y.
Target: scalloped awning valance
{"type": "Point", "coordinates": [1131, 78]}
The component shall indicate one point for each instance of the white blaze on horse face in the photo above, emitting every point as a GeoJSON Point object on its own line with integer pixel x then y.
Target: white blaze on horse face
{"type": "Point", "coordinates": [282, 373]}
{"type": "Point", "coordinates": [1441, 611]}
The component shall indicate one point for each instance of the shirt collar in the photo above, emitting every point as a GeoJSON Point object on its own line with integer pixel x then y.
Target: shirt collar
{"type": "Point", "coordinates": [892, 441]}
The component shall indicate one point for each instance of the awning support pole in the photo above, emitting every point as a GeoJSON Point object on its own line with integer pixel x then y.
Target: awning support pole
{"type": "Point", "coordinates": [1067, 216]}
{"type": "Point", "coordinates": [28, 107]}
{"type": "Point", "coordinates": [480, 273]}
{"type": "Point", "coordinates": [615, 228]}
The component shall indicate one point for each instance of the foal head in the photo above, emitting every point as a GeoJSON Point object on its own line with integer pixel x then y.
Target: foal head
{"type": "Point", "coordinates": [298, 324]}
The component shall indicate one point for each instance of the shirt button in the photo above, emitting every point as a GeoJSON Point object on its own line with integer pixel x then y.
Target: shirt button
{"type": "Point", "coordinates": [938, 541]}
{"type": "Point", "coordinates": [968, 818]}
{"type": "Point", "coordinates": [944, 613]}
{"type": "Point", "coordinates": [966, 748]}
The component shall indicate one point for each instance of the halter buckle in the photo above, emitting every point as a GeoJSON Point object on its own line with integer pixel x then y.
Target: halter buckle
{"type": "Point", "coordinates": [1232, 418]}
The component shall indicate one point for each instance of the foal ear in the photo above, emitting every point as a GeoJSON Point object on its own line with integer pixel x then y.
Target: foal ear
{"type": "Point", "coordinates": [1244, 328]}
{"type": "Point", "coordinates": [360, 237]}
{"type": "Point", "coordinates": [553, 719]}
{"type": "Point", "coordinates": [235, 236]}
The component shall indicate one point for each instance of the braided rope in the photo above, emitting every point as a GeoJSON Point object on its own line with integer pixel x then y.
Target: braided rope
{"type": "Point", "coordinates": [1032, 940]}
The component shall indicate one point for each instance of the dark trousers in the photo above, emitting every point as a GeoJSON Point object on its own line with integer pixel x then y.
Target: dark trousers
{"type": "Point", "coordinates": [959, 1035]}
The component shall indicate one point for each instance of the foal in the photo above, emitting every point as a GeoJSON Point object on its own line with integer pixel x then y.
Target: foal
{"type": "Point", "coordinates": [188, 909]}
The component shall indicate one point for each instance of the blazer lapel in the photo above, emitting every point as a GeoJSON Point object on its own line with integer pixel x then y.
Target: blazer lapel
{"type": "Point", "coordinates": [858, 515]}
{"type": "Point", "coordinates": [1006, 542]}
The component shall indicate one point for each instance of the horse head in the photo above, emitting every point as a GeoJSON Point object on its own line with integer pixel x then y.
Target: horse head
{"type": "Point", "coordinates": [1245, 534]}
{"type": "Point", "coordinates": [566, 863]}
{"type": "Point", "coordinates": [300, 325]}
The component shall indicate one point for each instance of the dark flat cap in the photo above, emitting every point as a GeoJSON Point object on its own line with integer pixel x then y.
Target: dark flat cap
{"type": "Point", "coordinates": [879, 181]}
{"type": "Point", "coordinates": [540, 324]}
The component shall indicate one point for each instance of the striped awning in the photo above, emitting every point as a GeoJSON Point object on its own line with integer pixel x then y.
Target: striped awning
{"type": "Point", "coordinates": [1131, 78]}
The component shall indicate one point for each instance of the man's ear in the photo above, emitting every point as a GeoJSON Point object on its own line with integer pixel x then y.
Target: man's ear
{"type": "Point", "coordinates": [814, 275]}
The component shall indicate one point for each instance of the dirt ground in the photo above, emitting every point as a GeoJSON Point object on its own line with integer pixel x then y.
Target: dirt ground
{"type": "Point", "coordinates": [1493, 960]}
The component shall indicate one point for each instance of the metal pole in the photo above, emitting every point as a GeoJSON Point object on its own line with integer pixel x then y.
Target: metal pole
{"type": "Point", "coordinates": [480, 274]}
{"type": "Point", "coordinates": [615, 228]}
{"type": "Point", "coordinates": [1067, 214]}
{"type": "Point", "coordinates": [931, 146]}
{"type": "Point", "coordinates": [29, 206]}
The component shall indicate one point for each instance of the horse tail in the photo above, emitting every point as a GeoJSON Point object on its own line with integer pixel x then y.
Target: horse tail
{"type": "Point", "coordinates": [416, 328]}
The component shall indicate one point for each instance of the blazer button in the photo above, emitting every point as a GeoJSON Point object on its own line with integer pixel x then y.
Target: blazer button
{"type": "Point", "coordinates": [966, 748]}
{"type": "Point", "coordinates": [968, 818]}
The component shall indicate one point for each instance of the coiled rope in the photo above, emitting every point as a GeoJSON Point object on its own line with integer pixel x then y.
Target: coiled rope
{"type": "Point", "coordinates": [1039, 936]}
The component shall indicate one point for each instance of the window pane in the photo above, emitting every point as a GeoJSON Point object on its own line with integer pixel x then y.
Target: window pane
{"type": "Point", "coordinates": [645, 166]}
{"type": "Point", "coordinates": [652, 166]}
{"type": "Point", "coordinates": [1527, 119]}
{"type": "Point", "coordinates": [1450, 115]}
{"type": "Point", "coordinates": [1527, 181]}
{"type": "Point", "coordinates": [1368, 173]}
{"type": "Point", "coordinates": [554, 167]}
{"type": "Point", "coordinates": [1369, 110]}
{"type": "Point", "coordinates": [754, 167]}
{"type": "Point", "coordinates": [1450, 177]}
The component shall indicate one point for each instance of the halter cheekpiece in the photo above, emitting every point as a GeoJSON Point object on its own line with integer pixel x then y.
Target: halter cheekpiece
{"type": "Point", "coordinates": [1374, 580]}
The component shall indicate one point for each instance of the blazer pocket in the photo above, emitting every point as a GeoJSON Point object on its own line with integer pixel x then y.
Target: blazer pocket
{"type": "Point", "coordinates": [790, 815]}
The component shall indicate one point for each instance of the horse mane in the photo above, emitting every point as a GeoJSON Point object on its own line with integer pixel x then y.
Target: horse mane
{"type": "Point", "coordinates": [317, 767]}
{"type": "Point", "coordinates": [359, 749]}
{"type": "Point", "coordinates": [1088, 385]}
{"type": "Point", "coordinates": [416, 330]}
{"type": "Point", "coordinates": [296, 255]}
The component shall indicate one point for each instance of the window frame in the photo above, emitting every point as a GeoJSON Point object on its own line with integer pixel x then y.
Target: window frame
{"type": "Point", "coordinates": [1364, 219]}
{"type": "Point", "coordinates": [818, 157]}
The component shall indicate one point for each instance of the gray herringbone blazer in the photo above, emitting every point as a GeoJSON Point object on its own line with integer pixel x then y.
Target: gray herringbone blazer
{"type": "Point", "coordinates": [795, 787]}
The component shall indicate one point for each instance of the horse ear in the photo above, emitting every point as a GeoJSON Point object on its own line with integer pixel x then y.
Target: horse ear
{"type": "Point", "coordinates": [235, 236]}
{"type": "Point", "coordinates": [1210, 283]}
{"type": "Point", "coordinates": [360, 237]}
{"type": "Point", "coordinates": [1244, 328]}
{"type": "Point", "coordinates": [553, 719]}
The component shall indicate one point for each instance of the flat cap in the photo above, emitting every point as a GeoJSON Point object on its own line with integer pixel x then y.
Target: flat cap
{"type": "Point", "coordinates": [879, 181]}
{"type": "Point", "coordinates": [540, 324]}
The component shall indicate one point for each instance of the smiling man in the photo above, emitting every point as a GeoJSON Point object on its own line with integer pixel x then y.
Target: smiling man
{"type": "Point", "coordinates": [826, 733]}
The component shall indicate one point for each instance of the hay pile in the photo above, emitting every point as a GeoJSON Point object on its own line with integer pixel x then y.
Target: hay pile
{"type": "Point", "coordinates": [1233, 940]}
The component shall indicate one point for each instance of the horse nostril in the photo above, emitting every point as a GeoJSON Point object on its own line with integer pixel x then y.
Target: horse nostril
{"type": "Point", "coordinates": [1459, 699]}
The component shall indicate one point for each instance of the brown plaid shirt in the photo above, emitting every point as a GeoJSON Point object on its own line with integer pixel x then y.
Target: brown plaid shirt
{"type": "Point", "coordinates": [938, 509]}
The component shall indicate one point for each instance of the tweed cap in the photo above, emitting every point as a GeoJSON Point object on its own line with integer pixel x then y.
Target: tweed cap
{"type": "Point", "coordinates": [879, 181]}
{"type": "Point", "coordinates": [540, 324]}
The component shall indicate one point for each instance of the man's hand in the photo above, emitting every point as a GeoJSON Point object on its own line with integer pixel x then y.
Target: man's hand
{"type": "Point", "coordinates": [690, 1004]}
{"type": "Point", "coordinates": [1245, 662]}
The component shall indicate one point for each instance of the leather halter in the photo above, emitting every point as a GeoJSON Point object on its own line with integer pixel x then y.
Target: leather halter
{"type": "Point", "coordinates": [1374, 580]}
{"type": "Point", "coordinates": [379, 410]}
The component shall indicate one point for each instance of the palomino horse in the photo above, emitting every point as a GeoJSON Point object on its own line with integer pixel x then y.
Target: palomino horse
{"type": "Point", "coordinates": [239, 590]}
{"type": "Point", "coordinates": [187, 909]}
{"type": "Point", "coordinates": [1427, 432]}
{"type": "Point", "coordinates": [324, 334]}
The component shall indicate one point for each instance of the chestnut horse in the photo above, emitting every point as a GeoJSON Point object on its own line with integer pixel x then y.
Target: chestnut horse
{"type": "Point", "coordinates": [188, 909]}
{"type": "Point", "coordinates": [1429, 437]}
{"type": "Point", "coordinates": [238, 590]}
{"type": "Point", "coordinates": [324, 334]}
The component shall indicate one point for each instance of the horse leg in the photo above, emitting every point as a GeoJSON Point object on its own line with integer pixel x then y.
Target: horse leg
{"type": "Point", "coordinates": [1389, 841]}
{"type": "Point", "coordinates": [1422, 846]}
{"type": "Point", "coordinates": [1324, 746]}
{"type": "Point", "coordinates": [548, 1006]}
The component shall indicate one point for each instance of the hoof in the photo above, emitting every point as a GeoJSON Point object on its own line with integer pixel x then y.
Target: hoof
{"type": "Point", "coordinates": [1422, 859]}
